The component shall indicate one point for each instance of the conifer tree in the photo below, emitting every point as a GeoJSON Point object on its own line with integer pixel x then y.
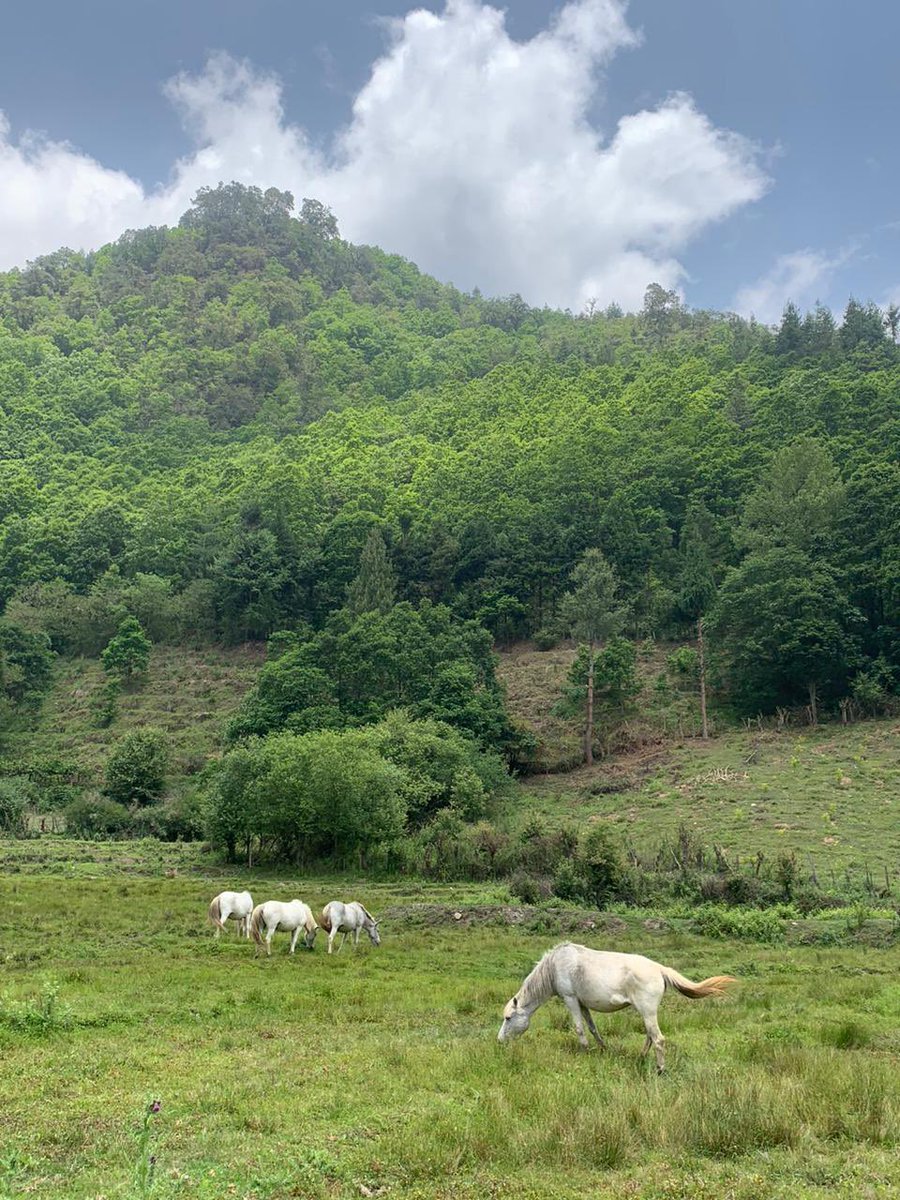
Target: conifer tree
{"type": "Point", "coordinates": [374, 588]}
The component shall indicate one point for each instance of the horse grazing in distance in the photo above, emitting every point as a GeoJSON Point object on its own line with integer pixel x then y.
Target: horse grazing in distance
{"type": "Point", "coordinates": [294, 915]}
{"type": "Point", "coordinates": [237, 905]}
{"type": "Point", "coordinates": [605, 981]}
{"type": "Point", "coordinates": [348, 918]}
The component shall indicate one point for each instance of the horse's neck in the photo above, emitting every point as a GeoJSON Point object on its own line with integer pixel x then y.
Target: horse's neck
{"type": "Point", "coordinates": [538, 986]}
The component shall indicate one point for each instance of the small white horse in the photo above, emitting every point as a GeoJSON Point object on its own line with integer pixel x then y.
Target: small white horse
{"type": "Point", "coordinates": [604, 981]}
{"type": "Point", "coordinates": [295, 915]}
{"type": "Point", "coordinates": [348, 918]}
{"type": "Point", "coordinates": [237, 905]}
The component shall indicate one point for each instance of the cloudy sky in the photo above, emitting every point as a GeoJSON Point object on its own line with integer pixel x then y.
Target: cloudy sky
{"type": "Point", "coordinates": [744, 153]}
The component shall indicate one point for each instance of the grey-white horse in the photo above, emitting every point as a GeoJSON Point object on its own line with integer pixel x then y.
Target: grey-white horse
{"type": "Point", "coordinates": [236, 905]}
{"type": "Point", "coordinates": [605, 981]}
{"type": "Point", "coordinates": [348, 918]}
{"type": "Point", "coordinates": [274, 914]}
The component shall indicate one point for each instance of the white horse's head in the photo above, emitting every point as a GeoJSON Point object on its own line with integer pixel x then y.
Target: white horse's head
{"type": "Point", "coordinates": [515, 1021]}
{"type": "Point", "coordinates": [309, 937]}
{"type": "Point", "coordinates": [372, 930]}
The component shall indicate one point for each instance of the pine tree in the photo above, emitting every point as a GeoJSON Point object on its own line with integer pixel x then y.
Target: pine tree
{"type": "Point", "coordinates": [375, 586]}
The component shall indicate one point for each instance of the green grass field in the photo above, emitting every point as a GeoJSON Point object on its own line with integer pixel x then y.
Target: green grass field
{"type": "Point", "coordinates": [379, 1073]}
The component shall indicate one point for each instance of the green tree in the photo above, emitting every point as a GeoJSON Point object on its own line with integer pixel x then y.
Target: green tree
{"type": "Point", "coordinates": [798, 501]}
{"type": "Point", "coordinates": [136, 767]}
{"type": "Point", "coordinates": [593, 613]}
{"type": "Point", "coordinates": [790, 332]}
{"type": "Point", "coordinates": [786, 631]}
{"type": "Point", "coordinates": [375, 586]}
{"type": "Point", "coordinates": [892, 321]}
{"type": "Point", "coordinates": [128, 653]}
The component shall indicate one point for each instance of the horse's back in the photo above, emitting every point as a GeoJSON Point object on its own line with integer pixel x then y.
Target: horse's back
{"type": "Point", "coordinates": [604, 978]}
{"type": "Point", "coordinates": [335, 914]}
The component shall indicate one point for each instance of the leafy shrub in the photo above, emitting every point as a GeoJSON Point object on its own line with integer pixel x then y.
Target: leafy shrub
{"type": "Point", "coordinates": [38, 1017]}
{"type": "Point", "coordinates": [530, 889]}
{"type": "Point", "coordinates": [136, 768]}
{"type": "Point", "coordinates": [96, 816]}
{"type": "Point", "coordinates": [128, 653]}
{"type": "Point", "coordinates": [751, 925]}
{"type": "Point", "coordinates": [545, 639]}
{"type": "Point", "coordinates": [16, 794]}
{"type": "Point", "coordinates": [180, 819]}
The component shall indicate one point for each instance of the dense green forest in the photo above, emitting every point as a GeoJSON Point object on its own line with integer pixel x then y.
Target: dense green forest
{"type": "Point", "coordinates": [245, 427]}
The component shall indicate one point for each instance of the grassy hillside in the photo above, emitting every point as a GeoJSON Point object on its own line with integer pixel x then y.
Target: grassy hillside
{"type": "Point", "coordinates": [828, 793]}
{"type": "Point", "coordinates": [189, 694]}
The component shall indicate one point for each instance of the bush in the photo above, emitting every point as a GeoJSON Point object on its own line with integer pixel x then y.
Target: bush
{"type": "Point", "coordinates": [530, 889]}
{"type": "Point", "coordinates": [601, 866]}
{"type": "Point", "coordinates": [180, 819]}
{"type": "Point", "coordinates": [15, 797]}
{"type": "Point", "coordinates": [128, 653]}
{"type": "Point", "coordinates": [136, 768]}
{"type": "Point", "coordinates": [96, 816]}
{"type": "Point", "coordinates": [545, 639]}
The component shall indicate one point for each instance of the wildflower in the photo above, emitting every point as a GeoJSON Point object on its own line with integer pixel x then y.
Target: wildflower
{"type": "Point", "coordinates": [156, 1106]}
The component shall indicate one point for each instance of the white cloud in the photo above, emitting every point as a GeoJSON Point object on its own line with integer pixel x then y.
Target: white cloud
{"type": "Point", "coordinates": [467, 151]}
{"type": "Point", "coordinates": [801, 277]}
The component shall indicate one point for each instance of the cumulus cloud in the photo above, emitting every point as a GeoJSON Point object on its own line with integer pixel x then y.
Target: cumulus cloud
{"type": "Point", "coordinates": [467, 151]}
{"type": "Point", "coordinates": [801, 277]}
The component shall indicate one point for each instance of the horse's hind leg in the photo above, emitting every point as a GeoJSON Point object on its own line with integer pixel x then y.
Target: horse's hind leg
{"type": "Point", "coordinates": [589, 1021]}
{"type": "Point", "coordinates": [572, 1004]}
{"type": "Point", "coordinates": [654, 1039]}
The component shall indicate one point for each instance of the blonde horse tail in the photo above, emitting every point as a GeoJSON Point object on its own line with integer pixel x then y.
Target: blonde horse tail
{"type": "Point", "coordinates": [716, 985]}
{"type": "Point", "coordinates": [215, 913]}
{"type": "Point", "coordinates": [255, 922]}
{"type": "Point", "coordinates": [324, 920]}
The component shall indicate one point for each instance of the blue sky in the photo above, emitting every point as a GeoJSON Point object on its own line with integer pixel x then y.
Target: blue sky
{"type": "Point", "coordinates": [564, 151]}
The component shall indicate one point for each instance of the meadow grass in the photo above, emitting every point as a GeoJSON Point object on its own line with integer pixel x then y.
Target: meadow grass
{"type": "Point", "coordinates": [379, 1072]}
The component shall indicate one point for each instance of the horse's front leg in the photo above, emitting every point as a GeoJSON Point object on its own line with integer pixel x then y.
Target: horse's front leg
{"type": "Point", "coordinates": [294, 937]}
{"type": "Point", "coordinates": [572, 1004]}
{"type": "Point", "coordinates": [589, 1020]}
{"type": "Point", "coordinates": [355, 937]}
{"type": "Point", "coordinates": [343, 939]}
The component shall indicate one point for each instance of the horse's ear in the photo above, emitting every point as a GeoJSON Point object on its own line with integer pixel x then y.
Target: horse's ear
{"type": "Point", "coordinates": [515, 1001]}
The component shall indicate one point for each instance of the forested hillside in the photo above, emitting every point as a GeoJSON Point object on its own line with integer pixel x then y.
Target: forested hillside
{"type": "Point", "coordinates": [246, 426]}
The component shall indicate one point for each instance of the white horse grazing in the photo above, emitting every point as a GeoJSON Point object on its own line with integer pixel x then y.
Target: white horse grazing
{"type": "Point", "coordinates": [605, 981]}
{"type": "Point", "coordinates": [237, 905]}
{"type": "Point", "coordinates": [348, 918]}
{"type": "Point", "coordinates": [295, 915]}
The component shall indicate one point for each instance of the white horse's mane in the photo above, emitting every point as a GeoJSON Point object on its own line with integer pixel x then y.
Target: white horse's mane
{"type": "Point", "coordinates": [538, 984]}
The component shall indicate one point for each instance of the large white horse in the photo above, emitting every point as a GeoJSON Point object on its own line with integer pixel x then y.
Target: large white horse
{"type": "Point", "coordinates": [294, 915]}
{"type": "Point", "coordinates": [237, 905]}
{"type": "Point", "coordinates": [348, 918]}
{"type": "Point", "coordinates": [604, 981]}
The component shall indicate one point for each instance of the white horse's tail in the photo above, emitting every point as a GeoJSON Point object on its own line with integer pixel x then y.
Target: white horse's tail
{"type": "Point", "coordinates": [215, 913]}
{"type": "Point", "coordinates": [716, 985]}
{"type": "Point", "coordinates": [255, 922]}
